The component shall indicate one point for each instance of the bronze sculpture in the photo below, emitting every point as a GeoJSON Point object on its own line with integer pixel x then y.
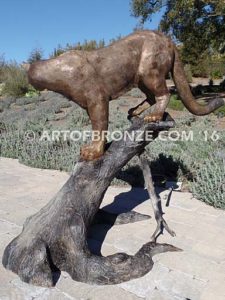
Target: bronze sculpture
{"type": "Point", "coordinates": [93, 78]}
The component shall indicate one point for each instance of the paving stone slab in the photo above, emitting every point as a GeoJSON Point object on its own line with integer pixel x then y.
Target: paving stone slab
{"type": "Point", "coordinates": [197, 273]}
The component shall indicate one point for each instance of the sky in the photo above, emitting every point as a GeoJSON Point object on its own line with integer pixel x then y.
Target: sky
{"type": "Point", "coordinates": [29, 24]}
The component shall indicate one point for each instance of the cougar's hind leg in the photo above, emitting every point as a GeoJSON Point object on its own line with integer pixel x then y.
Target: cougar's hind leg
{"type": "Point", "coordinates": [157, 86]}
{"type": "Point", "coordinates": [159, 109]}
{"type": "Point", "coordinates": [149, 101]}
{"type": "Point", "coordinates": [98, 110]}
{"type": "Point", "coordinates": [137, 110]}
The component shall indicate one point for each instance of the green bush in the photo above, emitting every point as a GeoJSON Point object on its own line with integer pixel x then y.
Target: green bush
{"type": "Point", "coordinates": [6, 102]}
{"type": "Point", "coordinates": [200, 162]}
{"type": "Point", "coordinates": [2, 68]}
{"type": "Point", "coordinates": [216, 74]}
{"type": "Point", "coordinates": [23, 142]}
{"type": "Point", "coordinates": [24, 101]}
{"type": "Point", "coordinates": [15, 81]}
{"type": "Point", "coordinates": [175, 103]}
{"type": "Point", "coordinates": [32, 92]}
{"type": "Point", "coordinates": [60, 154]}
{"type": "Point", "coordinates": [220, 112]}
{"type": "Point", "coordinates": [200, 69]}
{"type": "Point", "coordinates": [209, 182]}
{"type": "Point", "coordinates": [216, 67]}
{"type": "Point", "coordinates": [35, 55]}
{"type": "Point", "coordinates": [188, 73]}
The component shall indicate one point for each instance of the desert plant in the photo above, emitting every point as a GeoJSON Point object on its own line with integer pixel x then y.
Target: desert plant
{"type": "Point", "coordinates": [189, 144]}
{"type": "Point", "coordinates": [6, 102]}
{"type": "Point", "coordinates": [209, 182]}
{"type": "Point", "coordinates": [24, 100]}
{"type": "Point", "coordinates": [24, 142]}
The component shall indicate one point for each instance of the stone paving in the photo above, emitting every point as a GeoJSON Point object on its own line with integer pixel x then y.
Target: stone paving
{"type": "Point", "coordinates": [197, 273]}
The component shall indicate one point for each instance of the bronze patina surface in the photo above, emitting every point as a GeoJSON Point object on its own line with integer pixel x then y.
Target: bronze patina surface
{"type": "Point", "coordinates": [93, 78]}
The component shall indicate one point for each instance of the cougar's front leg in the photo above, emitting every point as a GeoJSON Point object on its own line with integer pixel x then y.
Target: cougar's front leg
{"type": "Point", "coordinates": [98, 111]}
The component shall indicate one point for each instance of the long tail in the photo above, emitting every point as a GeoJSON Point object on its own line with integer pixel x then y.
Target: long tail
{"type": "Point", "coordinates": [185, 93]}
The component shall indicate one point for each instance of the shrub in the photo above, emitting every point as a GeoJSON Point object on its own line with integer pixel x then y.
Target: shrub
{"type": "Point", "coordinates": [1, 88]}
{"type": "Point", "coordinates": [6, 102]}
{"type": "Point", "coordinates": [200, 69]}
{"type": "Point", "coordinates": [17, 142]}
{"type": "Point", "coordinates": [216, 74]}
{"type": "Point", "coordinates": [209, 182]}
{"type": "Point", "coordinates": [175, 104]}
{"type": "Point", "coordinates": [193, 151]}
{"type": "Point", "coordinates": [197, 161]}
{"type": "Point", "coordinates": [188, 73]}
{"type": "Point", "coordinates": [86, 46]}
{"type": "Point", "coordinates": [216, 67]}
{"type": "Point", "coordinates": [32, 92]}
{"type": "Point", "coordinates": [2, 68]}
{"type": "Point", "coordinates": [15, 81]}
{"type": "Point", "coordinates": [220, 112]}
{"type": "Point", "coordinates": [35, 55]}
{"type": "Point", "coordinates": [24, 101]}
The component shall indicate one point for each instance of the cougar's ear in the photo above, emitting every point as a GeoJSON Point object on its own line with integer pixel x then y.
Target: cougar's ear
{"type": "Point", "coordinates": [25, 66]}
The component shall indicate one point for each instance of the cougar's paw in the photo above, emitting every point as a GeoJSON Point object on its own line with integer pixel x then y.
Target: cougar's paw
{"type": "Point", "coordinates": [91, 152]}
{"type": "Point", "coordinates": [153, 118]}
{"type": "Point", "coordinates": [133, 112]}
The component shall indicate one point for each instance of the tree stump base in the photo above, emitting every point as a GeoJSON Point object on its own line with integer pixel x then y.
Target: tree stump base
{"type": "Point", "coordinates": [55, 238]}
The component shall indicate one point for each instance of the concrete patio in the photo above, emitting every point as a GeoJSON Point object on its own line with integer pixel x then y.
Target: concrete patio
{"type": "Point", "coordinates": [197, 273]}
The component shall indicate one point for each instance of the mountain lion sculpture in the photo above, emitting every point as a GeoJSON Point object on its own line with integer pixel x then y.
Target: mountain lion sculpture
{"type": "Point", "coordinates": [93, 78]}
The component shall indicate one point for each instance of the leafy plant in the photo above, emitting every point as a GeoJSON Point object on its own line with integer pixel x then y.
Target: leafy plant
{"type": "Point", "coordinates": [175, 103]}
{"type": "Point", "coordinates": [209, 182]}
{"type": "Point", "coordinates": [220, 112]}
{"type": "Point", "coordinates": [188, 72]}
{"type": "Point", "coordinates": [216, 74]}
{"type": "Point", "coordinates": [32, 92]}
{"type": "Point", "coordinates": [35, 55]}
